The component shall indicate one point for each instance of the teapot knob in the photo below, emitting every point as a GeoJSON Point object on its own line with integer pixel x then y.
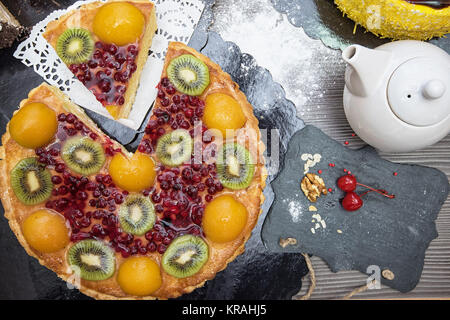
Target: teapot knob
{"type": "Point", "coordinates": [434, 89]}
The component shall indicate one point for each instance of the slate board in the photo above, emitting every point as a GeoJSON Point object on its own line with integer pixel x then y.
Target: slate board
{"type": "Point", "coordinates": [321, 19]}
{"type": "Point", "coordinates": [390, 233]}
{"type": "Point", "coordinates": [256, 274]}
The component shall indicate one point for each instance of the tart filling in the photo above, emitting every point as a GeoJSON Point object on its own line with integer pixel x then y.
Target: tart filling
{"type": "Point", "coordinates": [105, 45]}
{"type": "Point", "coordinates": [132, 226]}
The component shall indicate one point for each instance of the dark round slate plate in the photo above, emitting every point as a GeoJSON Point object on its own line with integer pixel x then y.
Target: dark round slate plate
{"type": "Point", "coordinates": [257, 273]}
{"type": "Point", "coordinates": [321, 19]}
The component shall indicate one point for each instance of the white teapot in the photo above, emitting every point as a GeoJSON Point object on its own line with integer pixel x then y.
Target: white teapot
{"type": "Point", "coordinates": [397, 96]}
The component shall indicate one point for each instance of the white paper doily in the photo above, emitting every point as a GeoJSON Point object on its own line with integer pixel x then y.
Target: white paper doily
{"type": "Point", "coordinates": [176, 20]}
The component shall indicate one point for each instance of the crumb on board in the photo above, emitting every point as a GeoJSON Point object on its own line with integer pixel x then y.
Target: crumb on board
{"type": "Point", "coordinates": [312, 208]}
{"type": "Point", "coordinates": [311, 160]}
{"type": "Point", "coordinates": [318, 222]}
{"type": "Point", "coordinates": [286, 242]}
{"type": "Point", "coordinates": [388, 274]}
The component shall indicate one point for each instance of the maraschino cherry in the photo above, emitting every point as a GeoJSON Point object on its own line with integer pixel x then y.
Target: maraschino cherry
{"type": "Point", "coordinates": [347, 183]}
{"type": "Point", "coordinates": [352, 201]}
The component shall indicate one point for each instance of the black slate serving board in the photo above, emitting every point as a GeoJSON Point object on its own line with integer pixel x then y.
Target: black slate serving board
{"type": "Point", "coordinates": [256, 274]}
{"type": "Point", "coordinates": [321, 19]}
{"type": "Point", "coordinates": [389, 233]}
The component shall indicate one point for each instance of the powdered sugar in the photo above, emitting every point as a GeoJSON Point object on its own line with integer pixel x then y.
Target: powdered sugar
{"type": "Point", "coordinates": [295, 209]}
{"type": "Point", "coordinates": [258, 29]}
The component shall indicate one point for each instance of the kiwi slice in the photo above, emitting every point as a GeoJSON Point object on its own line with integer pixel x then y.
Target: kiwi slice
{"type": "Point", "coordinates": [137, 215]}
{"type": "Point", "coordinates": [83, 155]}
{"type": "Point", "coordinates": [93, 259]}
{"type": "Point", "coordinates": [174, 148]}
{"type": "Point", "coordinates": [75, 46]}
{"type": "Point", "coordinates": [235, 166]}
{"type": "Point", "coordinates": [31, 182]}
{"type": "Point", "coordinates": [185, 256]}
{"type": "Point", "coordinates": [188, 74]}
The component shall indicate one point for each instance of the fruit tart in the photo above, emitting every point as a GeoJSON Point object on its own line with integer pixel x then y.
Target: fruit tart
{"type": "Point", "coordinates": [105, 45]}
{"type": "Point", "coordinates": [400, 19]}
{"type": "Point", "coordinates": [150, 225]}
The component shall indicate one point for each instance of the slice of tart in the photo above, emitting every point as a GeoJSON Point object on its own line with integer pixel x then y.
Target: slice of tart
{"type": "Point", "coordinates": [154, 224]}
{"type": "Point", "coordinates": [400, 19]}
{"type": "Point", "coordinates": [105, 45]}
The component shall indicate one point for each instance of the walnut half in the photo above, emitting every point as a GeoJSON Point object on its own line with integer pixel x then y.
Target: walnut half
{"type": "Point", "coordinates": [313, 186]}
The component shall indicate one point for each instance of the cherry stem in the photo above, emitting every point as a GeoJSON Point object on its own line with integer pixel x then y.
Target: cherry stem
{"type": "Point", "coordinates": [382, 192]}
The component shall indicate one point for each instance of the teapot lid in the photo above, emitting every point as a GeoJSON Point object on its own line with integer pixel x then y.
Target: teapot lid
{"type": "Point", "coordinates": [419, 91]}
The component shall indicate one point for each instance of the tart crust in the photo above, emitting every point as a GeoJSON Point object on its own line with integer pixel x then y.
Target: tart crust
{"type": "Point", "coordinates": [219, 254]}
{"type": "Point", "coordinates": [398, 19]}
{"type": "Point", "coordinates": [83, 17]}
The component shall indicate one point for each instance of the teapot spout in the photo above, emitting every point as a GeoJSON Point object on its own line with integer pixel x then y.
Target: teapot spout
{"type": "Point", "coordinates": [366, 69]}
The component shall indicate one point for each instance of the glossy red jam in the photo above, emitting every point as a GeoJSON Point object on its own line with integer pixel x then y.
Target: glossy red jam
{"type": "Point", "coordinates": [107, 74]}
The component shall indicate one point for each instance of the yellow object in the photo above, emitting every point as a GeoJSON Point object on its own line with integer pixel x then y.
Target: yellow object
{"type": "Point", "coordinates": [113, 111]}
{"type": "Point", "coordinates": [135, 174]}
{"type": "Point", "coordinates": [45, 231]}
{"type": "Point", "coordinates": [222, 112]}
{"type": "Point", "coordinates": [224, 219]}
{"type": "Point", "coordinates": [139, 276]}
{"type": "Point", "coordinates": [34, 125]}
{"type": "Point", "coordinates": [397, 19]}
{"type": "Point", "coordinates": [120, 23]}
